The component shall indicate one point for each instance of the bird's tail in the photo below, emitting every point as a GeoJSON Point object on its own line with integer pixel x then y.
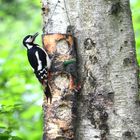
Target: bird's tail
{"type": "Point", "coordinates": [47, 92]}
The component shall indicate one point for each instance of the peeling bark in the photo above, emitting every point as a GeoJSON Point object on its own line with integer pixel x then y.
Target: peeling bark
{"type": "Point", "coordinates": [107, 107]}
{"type": "Point", "coordinates": [59, 116]}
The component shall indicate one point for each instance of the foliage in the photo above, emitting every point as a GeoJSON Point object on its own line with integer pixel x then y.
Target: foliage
{"type": "Point", "coordinates": [20, 106]}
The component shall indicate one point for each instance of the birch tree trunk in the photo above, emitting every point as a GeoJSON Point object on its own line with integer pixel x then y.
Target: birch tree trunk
{"type": "Point", "coordinates": [107, 105]}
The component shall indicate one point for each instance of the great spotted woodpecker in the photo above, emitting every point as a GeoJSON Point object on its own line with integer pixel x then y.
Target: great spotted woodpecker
{"type": "Point", "coordinates": [39, 61]}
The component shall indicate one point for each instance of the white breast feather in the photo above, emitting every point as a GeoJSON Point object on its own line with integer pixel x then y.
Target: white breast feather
{"type": "Point", "coordinates": [38, 61]}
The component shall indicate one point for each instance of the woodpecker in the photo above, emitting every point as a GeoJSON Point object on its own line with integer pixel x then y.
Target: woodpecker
{"type": "Point", "coordinates": [39, 61]}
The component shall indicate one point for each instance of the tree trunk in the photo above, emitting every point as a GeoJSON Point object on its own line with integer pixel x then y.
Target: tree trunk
{"type": "Point", "coordinates": [59, 116]}
{"type": "Point", "coordinates": [107, 104]}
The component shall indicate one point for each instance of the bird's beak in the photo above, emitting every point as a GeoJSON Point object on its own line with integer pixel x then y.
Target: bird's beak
{"type": "Point", "coordinates": [35, 35]}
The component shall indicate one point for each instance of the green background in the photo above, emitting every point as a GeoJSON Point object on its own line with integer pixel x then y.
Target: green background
{"type": "Point", "coordinates": [21, 96]}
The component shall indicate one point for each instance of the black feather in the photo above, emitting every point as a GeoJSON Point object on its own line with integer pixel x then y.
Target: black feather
{"type": "Point", "coordinates": [32, 57]}
{"type": "Point", "coordinates": [47, 92]}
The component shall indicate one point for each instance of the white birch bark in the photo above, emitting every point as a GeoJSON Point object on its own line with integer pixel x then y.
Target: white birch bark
{"type": "Point", "coordinates": [107, 104]}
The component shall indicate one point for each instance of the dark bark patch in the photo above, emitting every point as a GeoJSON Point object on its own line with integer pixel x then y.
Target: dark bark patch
{"type": "Point", "coordinates": [103, 136]}
{"type": "Point", "coordinates": [121, 21]}
{"type": "Point", "coordinates": [127, 61]}
{"type": "Point", "coordinates": [128, 135]}
{"type": "Point", "coordinates": [93, 59]}
{"type": "Point", "coordinates": [114, 111]}
{"type": "Point", "coordinates": [71, 68]}
{"type": "Point", "coordinates": [62, 138]}
{"type": "Point", "coordinates": [121, 48]}
{"type": "Point", "coordinates": [115, 8]}
{"type": "Point", "coordinates": [99, 107]}
{"type": "Point", "coordinates": [103, 116]}
{"type": "Point", "coordinates": [45, 10]}
{"type": "Point", "coordinates": [96, 137]}
{"type": "Point", "coordinates": [89, 44]}
{"type": "Point", "coordinates": [97, 113]}
{"type": "Point", "coordinates": [125, 42]}
{"type": "Point", "coordinates": [104, 127]}
{"type": "Point", "coordinates": [111, 96]}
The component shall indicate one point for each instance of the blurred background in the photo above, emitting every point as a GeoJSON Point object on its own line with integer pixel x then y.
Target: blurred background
{"type": "Point", "coordinates": [21, 96]}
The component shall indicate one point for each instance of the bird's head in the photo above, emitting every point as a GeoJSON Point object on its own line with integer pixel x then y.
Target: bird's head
{"type": "Point", "coordinates": [28, 41]}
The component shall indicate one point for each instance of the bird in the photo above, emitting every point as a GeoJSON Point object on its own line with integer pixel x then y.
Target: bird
{"type": "Point", "coordinates": [39, 61]}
